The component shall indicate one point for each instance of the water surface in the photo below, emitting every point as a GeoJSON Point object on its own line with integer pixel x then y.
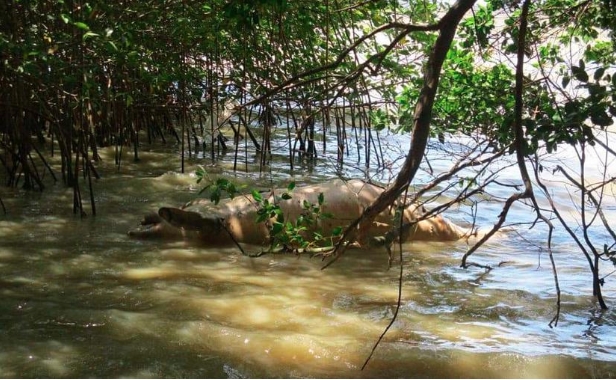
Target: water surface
{"type": "Point", "coordinates": [81, 299]}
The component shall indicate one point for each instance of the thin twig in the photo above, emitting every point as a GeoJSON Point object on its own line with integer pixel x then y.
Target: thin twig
{"type": "Point", "coordinates": [393, 319]}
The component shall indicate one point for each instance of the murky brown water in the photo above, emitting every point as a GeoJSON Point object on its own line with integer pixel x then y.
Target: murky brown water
{"type": "Point", "coordinates": [80, 299]}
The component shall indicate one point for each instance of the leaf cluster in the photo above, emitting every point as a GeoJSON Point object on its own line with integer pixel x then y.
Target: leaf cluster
{"type": "Point", "coordinates": [299, 234]}
{"type": "Point", "coordinates": [217, 188]}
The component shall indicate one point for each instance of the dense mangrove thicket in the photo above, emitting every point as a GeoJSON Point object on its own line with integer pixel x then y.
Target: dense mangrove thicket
{"type": "Point", "coordinates": [82, 75]}
{"type": "Point", "coordinates": [492, 84]}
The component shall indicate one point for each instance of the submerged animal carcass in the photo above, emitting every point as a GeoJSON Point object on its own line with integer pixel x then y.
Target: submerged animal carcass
{"type": "Point", "coordinates": [235, 220]}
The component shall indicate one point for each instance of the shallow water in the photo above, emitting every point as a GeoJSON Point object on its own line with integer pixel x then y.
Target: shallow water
{"type": "Point", "coordinates": [81, 299]}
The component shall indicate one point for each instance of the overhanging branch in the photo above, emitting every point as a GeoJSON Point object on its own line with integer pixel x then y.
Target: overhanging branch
{"type": "Point", "coordinates": [447, 27]}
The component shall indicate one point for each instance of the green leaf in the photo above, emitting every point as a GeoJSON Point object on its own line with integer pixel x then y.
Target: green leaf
{"type": "Point", "coordinates": [215, 195]}
{"type": "Point", "coordinates": [566, 80]}
{"type": "Point", "coordinates": [231, 190]}
{"type": "Point", "coordinates": [277, 227]}
{"type": "Point", "coordinates": [579, 73]}
{"type": "Point", "coordinates": [599, 73]}
{"type": "Point", "coordinates": [601, 119]}
{"type": "Point", "coordinates": [89, 35]}
{"type": "Point", "coordinates": [279, 216]}
{"type": "Point", "coordinates": [291, 186]}
{"type": "Point", "coordinates": [286, 196]}
{"type": "Point", "coordinates": [256, 195]}
{"type": "Point", "coordinates": [596, 90]}
{"type": "Point", "coordinates": [321, 199]}
{"type": "Point", "coordinates": [337, 231]}
{"type": "Point", "coordinates": [200, 172]}
{"type": "Point", "coordinates": [326, 215]}
{"type": "Point", "coordinates": [261, 217]}
{"type": "Point", "coordinates": [81, 25]}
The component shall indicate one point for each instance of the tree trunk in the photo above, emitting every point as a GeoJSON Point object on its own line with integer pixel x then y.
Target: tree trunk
{"type": "Point", "coordinates": [423, 111]}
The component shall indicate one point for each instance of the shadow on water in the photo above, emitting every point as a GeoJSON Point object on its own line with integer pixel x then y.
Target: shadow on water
{"type": "Point", "coordinates": [80, 299]}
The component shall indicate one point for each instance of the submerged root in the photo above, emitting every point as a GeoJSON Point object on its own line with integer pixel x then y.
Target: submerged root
{"type": "Point", "coordinates": [312, 251]}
